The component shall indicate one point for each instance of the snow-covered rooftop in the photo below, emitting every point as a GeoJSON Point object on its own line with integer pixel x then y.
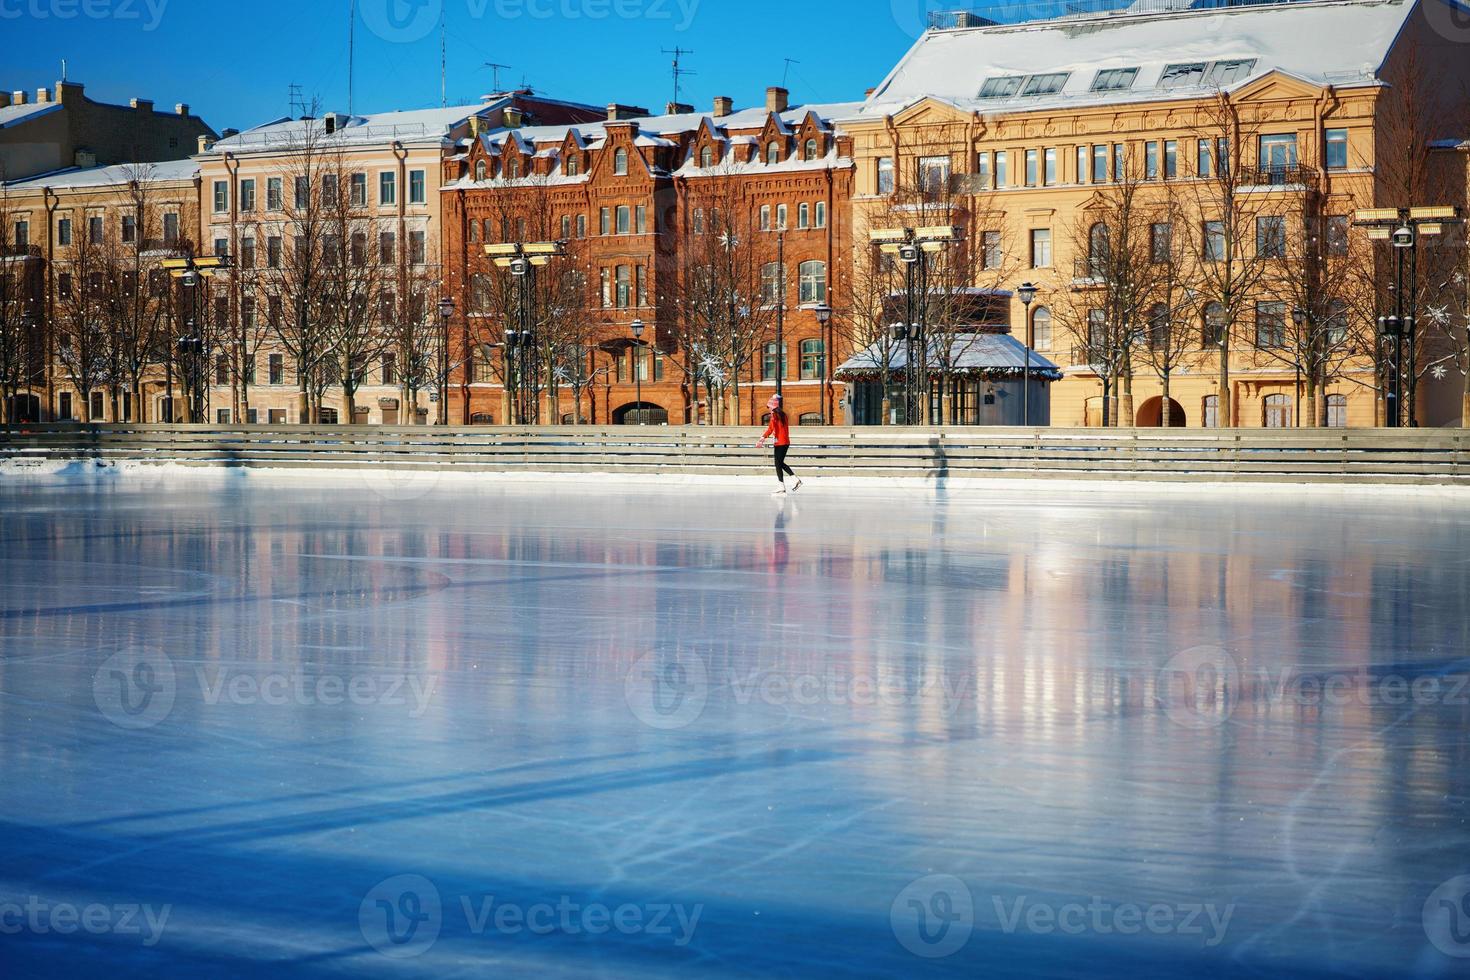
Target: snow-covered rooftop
{"type": "Point", "coordinates": [981, 353]}
{"type": "Point", "coordinates": [13, 115]}
{"type": "Point", "coordinates": [1150, 55]}
{"type": "Point", "coordinates": [378, 127]}
{"type": "Point", "coordinates": [116, 174]}
{"type": "Point", "coordinates": [686, 122]}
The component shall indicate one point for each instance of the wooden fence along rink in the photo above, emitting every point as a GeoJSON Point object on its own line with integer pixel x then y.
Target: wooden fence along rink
{"type": "Point", "coordinates": [1356, 456]}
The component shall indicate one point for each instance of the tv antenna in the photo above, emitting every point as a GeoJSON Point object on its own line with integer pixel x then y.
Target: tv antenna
{"type": "Point", "coordinates": [495, 69]}
{"type": "Point", "coordinates": [677, 71]}
{"type": "Point", "coordinates": [296, 102]}
{"type": "Point", "coordinates": [785, 74]}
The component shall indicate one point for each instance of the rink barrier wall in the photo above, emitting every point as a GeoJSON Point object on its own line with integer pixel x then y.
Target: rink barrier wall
{"type": "Point", "coordinates": [1367, 456]}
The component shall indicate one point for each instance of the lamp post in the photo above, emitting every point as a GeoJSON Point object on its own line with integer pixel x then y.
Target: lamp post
{"type": "Point", "coordinates": [190, 271]}
{"type": "Point", "coordinates": [1027, 293]}
{"type": "Point", "coordinates": [912, 247]}
{"type": "Point", "coordinates": [1402, 228]}
{"type": "Point", "coordinates": [780, 309]}
{"type": "Point", "coordinates": [522, 259]}
{"type": "Point", "coordinates": [1302, 319]}
{"type": "Point", "coordinates": [637, 326]}
{"type": "Point", "coordinates": [446, 310]}
{"type": "Point", "coordinates": [823, 313]}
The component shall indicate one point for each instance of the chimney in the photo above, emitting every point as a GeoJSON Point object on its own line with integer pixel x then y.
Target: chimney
{"type": "Point", "coordinates": [513, 117]}
{"type": "Point", "coordinates": [142, 105]}
{"type": "Point", "coordinates": [43, 96]}
{"type": "Point", "coordinates": [206, 143]}
{"type": "Point", "coordinates": [776, 99]}
{"type": "Point", "coordinates": [68, 92]}
{"type": "Point", "coordinates": [616, 111]}
{"type": "Point", "coordinates": [181, 108]}
{"type": "Point", "coordinates": [4, 99]}
{"type": "Point", "coordinates": [724, 105]}
{"type": "Point", "coordinates": [18, 97]}
{"type": "Point", "coordinates": [678, 108]}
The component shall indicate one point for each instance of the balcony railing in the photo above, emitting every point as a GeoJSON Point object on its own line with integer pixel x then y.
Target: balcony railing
{"type": "Point", "coordinates": [1296, 176]}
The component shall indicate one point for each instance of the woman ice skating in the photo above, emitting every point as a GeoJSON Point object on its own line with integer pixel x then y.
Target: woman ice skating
{"type": "Point", "coordinates": [782, 433]}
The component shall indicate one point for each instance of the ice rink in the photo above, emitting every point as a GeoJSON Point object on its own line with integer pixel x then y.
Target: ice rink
{"type": "Point", "coordinates": [399, 725]}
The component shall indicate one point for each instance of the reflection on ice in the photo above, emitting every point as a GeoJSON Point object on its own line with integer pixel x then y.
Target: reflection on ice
{"type": "Point", "coordinates": [567, 728]}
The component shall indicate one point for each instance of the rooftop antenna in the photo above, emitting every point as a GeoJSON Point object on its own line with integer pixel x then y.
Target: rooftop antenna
{"type": "Point", "coordinates": [443, 63]}
{"type": "Point", "coordinates": [351, 49]}
{"type": "Point", "coordinates": [295, 100]}
{"type": "Point", "coordinates": [678, 72]}
{"type": "Point", "coordinates": [495, 69]}
{"type": "Point", "coordinates": [63, 69]}
{"type": "Point", "coordinates": [785, 74]}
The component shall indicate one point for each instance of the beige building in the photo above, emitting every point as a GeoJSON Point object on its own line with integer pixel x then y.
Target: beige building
{"type": "Point", "coordinates": [1027, 135]}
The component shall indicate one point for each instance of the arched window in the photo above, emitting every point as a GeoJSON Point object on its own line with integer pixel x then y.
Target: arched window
{"type": "Point", "coordinates": [765, 217]}
{"type": "Point", "coordinates": [1212, 333]}
{"type": "Point", "coordinates": [573, 165]}
{"type": "Point", "coordinates": [811, 150]}
{"type": "Point", "coordinates": [1099, 247]}
{"type": "Point", "coordinates": [813, 282]}
{"type": "Point", "coordinates": [813, 360]}
{"type": "Point", "coordinates": [1041, 328]}
{"type": "Point", "coordinates": [620, 161]}
{"type": "Point", "coordinates": [1210, 412]}
{"type": "Point", "coordinates": [773, 152]}
{"type": "Point", "coordinates": [479, 169]}
{"type": "Point", "coordinates": [1337, 411]}
{"type": "Point", "coordinates": [706, 156]}
{"type": "Point", "coordinates": [515, 167]}
{"type": "Point", "coordinates": [1277, 412]}
{"type": "Point", "coordinates": [768, 362]}
{"type": "Point", "coordinates": [1158, 327]}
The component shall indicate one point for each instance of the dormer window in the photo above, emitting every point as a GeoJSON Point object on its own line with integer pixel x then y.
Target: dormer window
{"type": "Point", "coordinates": [515, 167]}
{"type": "Point", "coordinates": [1045, 84]}
{"type": "Point", "coordinates": [479, 169]}
{"type": "Point", "coordinates": [706, 157]}
{"type": "Point", "coordinates": [620, 161]}
{"type": "Point", "coordinates": [1114, 79]}
{"type": "Point", "coordinates": [810, 152]}
{"type": "Point", "coordinates": [573, 165]}
{"type": "Point", "coordinates": [1184, 75]}
{"type": "Point", "coordinates": [773, 152]}
{"type": "Point", "coordinates": [1001, 88]}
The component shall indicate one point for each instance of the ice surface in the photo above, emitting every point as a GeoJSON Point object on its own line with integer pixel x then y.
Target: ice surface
{"type": "Point", "coordinates": [614, 696]}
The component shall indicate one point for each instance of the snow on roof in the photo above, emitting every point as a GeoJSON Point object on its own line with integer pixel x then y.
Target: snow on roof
{"type": "Point", "coordinates": [728, 165]}
{"type": "Point", "coordinates": [116, 174]}
{"type": "Point", "coordinates": [688, 122]}
{"type": "Point", "coordinates": [1320, 41]}
{"type": "Point", "coordinates": [982, 353]}
{"type": "Point", "coordinates": [379, 127]}
{"type": "Point", "coordinates": [14, 115]}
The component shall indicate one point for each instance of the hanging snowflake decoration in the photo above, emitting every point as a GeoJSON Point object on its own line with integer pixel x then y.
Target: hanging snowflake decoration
{"type": "Point", "coordinates": [1437, 372]}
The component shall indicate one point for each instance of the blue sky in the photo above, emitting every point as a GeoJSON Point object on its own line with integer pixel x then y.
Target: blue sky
{"type": "Point", "coordinates": [234, 61]}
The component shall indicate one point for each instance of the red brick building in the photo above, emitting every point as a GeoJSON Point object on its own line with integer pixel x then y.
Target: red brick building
{"type": "Point", "coordinates": [723, 233]}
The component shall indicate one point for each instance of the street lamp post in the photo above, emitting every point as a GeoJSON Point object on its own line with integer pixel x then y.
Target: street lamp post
{"type": "Point", "coordinates": [912, 247]}
{"type": "Point", "coordinates": [637, 326]}
{"type": "Point", "coordinates": [446, 310]}
{"type": "Point", "coordinates": [1027, 293]}
{"type": "Point", "coordinates": [522, 259]}
{"type": "Point", "coordinates": [1402, 228]}
{"type": "Point", "coordinates": [823, 313]}
{"type": "Point", "coordinates": [1302, 319]}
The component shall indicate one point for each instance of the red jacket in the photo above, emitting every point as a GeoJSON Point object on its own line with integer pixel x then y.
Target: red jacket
{"type": "Point", "coordinates": [778, 428]}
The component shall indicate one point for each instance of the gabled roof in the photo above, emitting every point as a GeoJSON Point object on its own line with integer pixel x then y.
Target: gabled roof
{"type": "Point", "coordinates": [995, 354]}
{"type": "Point", "coordinates": [1324, 42]}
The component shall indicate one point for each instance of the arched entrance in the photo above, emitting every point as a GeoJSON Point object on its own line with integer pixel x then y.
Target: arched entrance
{"type": "Point", "coordinates": [1151, 414]}
{"type": "Point", "coordinates": [640, 413]}
{"type": "Point", "coordinates": [24, 407]}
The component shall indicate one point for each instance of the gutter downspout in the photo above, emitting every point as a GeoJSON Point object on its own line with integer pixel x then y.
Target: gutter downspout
{"type": "Point", "coordinates": [51, 201]}
{"type": "Point", "coordinates": [238, 396]}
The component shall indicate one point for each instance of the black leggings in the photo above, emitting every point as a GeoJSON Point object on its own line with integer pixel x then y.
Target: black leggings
{"type": "Point", "coordinates": [781, 468]}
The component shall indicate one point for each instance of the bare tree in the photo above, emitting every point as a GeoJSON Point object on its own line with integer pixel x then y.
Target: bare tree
{"type": "Point", "coordinates": [20, 347]}
{"type": "Point", "coordinates": [1170, 338]}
